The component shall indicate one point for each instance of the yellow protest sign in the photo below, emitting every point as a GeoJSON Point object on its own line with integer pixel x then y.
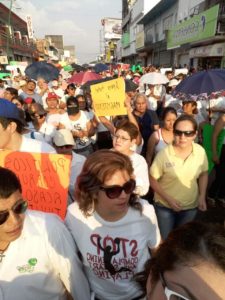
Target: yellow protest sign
{"type": "Point", "coordinates": [44, 178]}
{"type": "Point", "coordinates": [108, 97]}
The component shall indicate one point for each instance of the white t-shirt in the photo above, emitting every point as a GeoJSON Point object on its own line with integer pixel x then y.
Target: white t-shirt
{"type": "Point", "coordinates": [59, 92]}
{"type": "Point", "coordinates": [80, 124]}
{"type": "Point", "coordinates": [44, 134]}
{"type": "Point", "coordinates": [42, 262]}
{"type": "Point", "coordinates": [48, 131]}
{"type": "Point", "coordinates": [35, 146]}
{"type": "Point", "coordinates": [122, 250]}
{"type": "Point", "coordinates": [141, 173]}
{"type": "Point", "coordinates": [53, 119]}
{"type": "Point", "coordinates": [36, 135]}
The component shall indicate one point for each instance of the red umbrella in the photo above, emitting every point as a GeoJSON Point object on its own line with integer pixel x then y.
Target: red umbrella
{"type": "Point", "coordinates": [83, 77]}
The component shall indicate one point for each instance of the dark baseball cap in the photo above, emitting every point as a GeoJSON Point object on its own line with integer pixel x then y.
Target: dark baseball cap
{"type": "Point", "coordinates": [9, 110]}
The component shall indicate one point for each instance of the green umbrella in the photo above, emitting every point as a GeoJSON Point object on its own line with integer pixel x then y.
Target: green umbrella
{"type": "Point", "coordinates": [68, 68]}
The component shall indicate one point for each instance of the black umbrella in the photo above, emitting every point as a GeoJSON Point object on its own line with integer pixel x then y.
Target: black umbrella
{"type": "Point", "coordinates": [87, 85]}
{"type": "Point", "coordinates": [130, 86]}
{"type": "Point", "coordinates": [42, 69]}
{"type": "Point", "coordinates": [204, 82]}
{"type": "Point", "coordinates": [101, 68]}
{"type": "Point", "coordinates": [86, 66]}
{"type": "Point", "coordinates": [77, 67]}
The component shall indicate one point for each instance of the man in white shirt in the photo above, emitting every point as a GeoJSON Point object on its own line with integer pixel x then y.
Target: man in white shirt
{"type": "Point", "coordinates": [38, 257]}
{"type": "Point", "coordinates": [11, 128]}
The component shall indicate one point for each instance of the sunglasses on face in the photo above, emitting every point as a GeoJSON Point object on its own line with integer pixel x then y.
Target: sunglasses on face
{"type": "Point", "coordinates": [37, 116]}
{"type": "Point", "coordinates": [18, 208]}
{"type": "Point", "coordinates": [185, 133]}
{"type": "Point", "coordinates": [171, 295]}
{"type": "Point", "coordinates": [114, 191]}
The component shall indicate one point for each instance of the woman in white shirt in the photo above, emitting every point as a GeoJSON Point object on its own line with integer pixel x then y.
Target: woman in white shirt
{"type": "Point", "coordinates": [113, 228]}
{"type": "Point", "coordinates": [124, 140]}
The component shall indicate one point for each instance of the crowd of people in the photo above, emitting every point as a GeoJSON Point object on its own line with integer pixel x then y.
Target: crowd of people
{"type": "Point", "coordinates": [144, 219]}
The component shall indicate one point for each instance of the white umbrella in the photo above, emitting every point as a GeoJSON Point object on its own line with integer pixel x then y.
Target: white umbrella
{"type": "Point", "coordinates": [154, 78]}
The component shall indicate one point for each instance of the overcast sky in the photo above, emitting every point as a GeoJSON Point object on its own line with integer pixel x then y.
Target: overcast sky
{"type": "Point", "coordinates": [79, 21]}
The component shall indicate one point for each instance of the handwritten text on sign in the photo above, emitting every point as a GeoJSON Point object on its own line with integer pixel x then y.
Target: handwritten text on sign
{"type": "Point", "coordinates": [108, 97]}
{"type": "Point", "coordinates": [44, 179]}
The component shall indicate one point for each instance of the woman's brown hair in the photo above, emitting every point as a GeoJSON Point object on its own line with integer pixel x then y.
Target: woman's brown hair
{"type": "Point", "coordinates": [129, 127]}
{"type": "Point", "coordinates": [188, 245]}
{"type": "Point", "coordinates": [188, 118]}
{"type": "Point", "coordinates": [98, 167]}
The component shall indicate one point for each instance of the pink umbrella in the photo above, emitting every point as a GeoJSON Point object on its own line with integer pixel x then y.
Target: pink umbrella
{"type": "Point", "coordinates": [83, 77]}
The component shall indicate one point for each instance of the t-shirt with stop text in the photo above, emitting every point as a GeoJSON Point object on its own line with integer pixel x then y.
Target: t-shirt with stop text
{"type": "Point", "coordinates": [114, 251]}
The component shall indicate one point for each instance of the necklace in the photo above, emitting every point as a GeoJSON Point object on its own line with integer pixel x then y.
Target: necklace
{"type": "Point", "coordinates": [1, 255]}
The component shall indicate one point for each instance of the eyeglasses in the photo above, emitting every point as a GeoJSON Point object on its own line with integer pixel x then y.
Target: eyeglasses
{"type": "Point", "coordinates": [114, 191]}
{"type": "Point", "coordinates": [171, 295]}
{"type": "Point", "coordinates": [123, 139]}
{"type": "Point", "coordinates": [18, 208]}
{"type": "Point", "coordinates": [185, 133]}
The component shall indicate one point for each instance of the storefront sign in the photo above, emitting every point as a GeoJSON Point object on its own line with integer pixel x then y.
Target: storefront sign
{"type": "Point", "coordinates": [206, 51]}
{"type": "Point", "coordinates": [30, 27]}
{"type": "Point", "coordinates": [196, 28]}
{"type": "Point", "coordinates": [140, 40]}
{"type": "Point", "coordinates": [126, 39]}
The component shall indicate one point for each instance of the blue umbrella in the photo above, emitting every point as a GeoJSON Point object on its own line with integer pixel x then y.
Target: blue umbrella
{"type": "Point", "coordinates": [100, 68]}
{"type": "Point", "coordinates": [42, 69]}
{"type": "Point", "coordinates": [204, 82]}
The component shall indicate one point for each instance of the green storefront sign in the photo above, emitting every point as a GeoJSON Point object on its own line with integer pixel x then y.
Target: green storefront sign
{"type": "Point", "coordinates": [126, 39]}
{"type": "Point", "coordinates": [197, 28]}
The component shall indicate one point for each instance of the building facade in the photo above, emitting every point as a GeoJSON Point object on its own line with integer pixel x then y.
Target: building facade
{"type": "Point", "coordinates": [177, 33]}
{"type": "Point", "coordinates": [132, 37]}
{"type": "Point", "coordinates": [15, 44]}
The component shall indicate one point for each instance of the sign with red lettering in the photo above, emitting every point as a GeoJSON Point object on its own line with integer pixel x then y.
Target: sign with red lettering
{"type": "Point", "coordinates": [44, 178]}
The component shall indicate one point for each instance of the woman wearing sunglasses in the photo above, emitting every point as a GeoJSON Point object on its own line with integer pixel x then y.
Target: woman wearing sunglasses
{"type": "Point", "coordinates": [113, 229]}
{"type": "Point", "coordinates": [179, 177]}
{"type": "Point", "coordinates": [189, 265]}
